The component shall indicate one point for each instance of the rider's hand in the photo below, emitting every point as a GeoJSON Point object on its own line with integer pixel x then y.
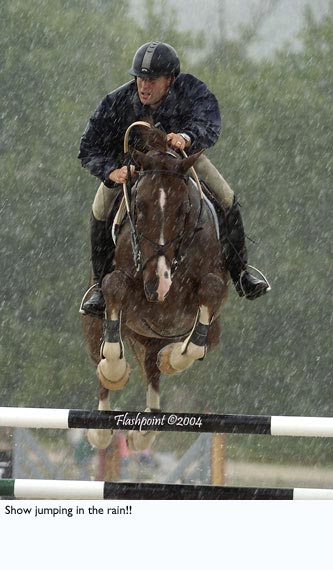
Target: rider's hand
{"type": "Point", "coordinates": [119, 176]}
{"type": "Point", "coordinates": [176, 141]}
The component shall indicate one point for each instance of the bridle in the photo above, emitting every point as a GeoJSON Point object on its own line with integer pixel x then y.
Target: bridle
{"type": "Point", "coordinates": [183, 240]}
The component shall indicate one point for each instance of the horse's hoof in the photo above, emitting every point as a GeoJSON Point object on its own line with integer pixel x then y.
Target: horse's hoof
{"type": "Point", "coordinates": [109, 384]}
{"type": "Point", "coordinates": [100, 438]}
{"type": "Point", "coordinates": [163, 359]}
{"type": "Point", "coordinates": [140, 440]}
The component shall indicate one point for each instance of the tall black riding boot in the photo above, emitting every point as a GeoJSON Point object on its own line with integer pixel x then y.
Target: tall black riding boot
{"type": "Point", "coordinates": [234, 248]}
{"type": "Point", "coordinates": [101, 258]}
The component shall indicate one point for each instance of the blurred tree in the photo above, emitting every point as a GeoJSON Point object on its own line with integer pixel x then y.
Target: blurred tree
{"type": "Point", "coordinates": [276, 153]}
{"type": "Point", "coordinates": [67, 55]}
{"type": "Point", "coordinates": [60, 59]}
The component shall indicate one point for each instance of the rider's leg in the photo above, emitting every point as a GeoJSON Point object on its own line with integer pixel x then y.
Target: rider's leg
{"type": "Point", "coordinates": [234, 248]}
{"type": "Point", "coordinates": [207, 172]}
{"type": "Point", "coordinates": [101, 246]}
{"type": "Point", "coordinates": [232, 231]}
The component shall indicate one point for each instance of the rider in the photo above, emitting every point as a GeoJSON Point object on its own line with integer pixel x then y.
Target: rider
{"type": "Point", "coordinates": [188, 112]}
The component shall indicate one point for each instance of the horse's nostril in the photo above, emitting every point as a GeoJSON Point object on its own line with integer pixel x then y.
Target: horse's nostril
{"type": "Point", "coordinates": [151, 290]}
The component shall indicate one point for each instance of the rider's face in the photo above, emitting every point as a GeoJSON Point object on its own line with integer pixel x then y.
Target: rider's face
{"type": "Point", "coordinates": [152, 90]}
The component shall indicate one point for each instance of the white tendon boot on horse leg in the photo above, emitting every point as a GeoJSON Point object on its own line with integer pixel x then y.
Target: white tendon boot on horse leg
{"type": "Point", "coordinates": [101, 438]}
{"type": "Point", "coordinates": [113, 370]}
{"type": "Point", "coordinates": [179, 356]}
{"type": "Point", "coordinates": [141, 440]}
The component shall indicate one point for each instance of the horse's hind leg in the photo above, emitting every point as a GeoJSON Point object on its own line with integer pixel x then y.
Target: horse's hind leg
{"type": "Point", "coordinates": [179, 356]}
{"type": "Point", "coordinates": [101, 438]}
{"type": "Point", "coordinates": [140, 440]}
{"type": "Point", "coordinates": [92, 328]}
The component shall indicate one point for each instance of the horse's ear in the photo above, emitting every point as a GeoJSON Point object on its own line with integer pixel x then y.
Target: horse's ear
{"type": "Point", "coordinates": [188, 162]}
{"type": "Point", "coordinates": [140, 158]}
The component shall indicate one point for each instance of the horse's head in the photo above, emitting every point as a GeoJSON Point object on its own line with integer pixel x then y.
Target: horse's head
{"type": "Point", "coordinates": [161, 212]}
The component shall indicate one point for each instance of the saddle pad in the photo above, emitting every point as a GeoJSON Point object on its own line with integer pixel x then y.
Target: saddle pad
{"type": "Point", "coordinates": [214, 214]}
{"type": "Point", "coordinates": [211, 207]}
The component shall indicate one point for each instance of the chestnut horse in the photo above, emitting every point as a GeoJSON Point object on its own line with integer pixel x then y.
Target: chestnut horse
{"type": "Point", "coordinates": [168, 285]}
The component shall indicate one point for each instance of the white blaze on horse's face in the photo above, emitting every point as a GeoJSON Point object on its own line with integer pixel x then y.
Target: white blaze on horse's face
{"type": "Point", "coordinates": [163, 271]}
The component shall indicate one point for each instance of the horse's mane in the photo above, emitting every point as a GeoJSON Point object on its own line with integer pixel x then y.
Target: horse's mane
{"type": "Point", "coordinates": [152, 139]}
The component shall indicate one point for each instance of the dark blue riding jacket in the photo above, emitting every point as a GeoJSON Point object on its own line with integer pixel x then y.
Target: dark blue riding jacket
{"type": "Point", "coordinates": [189, 107]}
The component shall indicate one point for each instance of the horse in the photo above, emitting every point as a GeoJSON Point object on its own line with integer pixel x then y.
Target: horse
{"type": "Point", "coordinates": [169, 283]}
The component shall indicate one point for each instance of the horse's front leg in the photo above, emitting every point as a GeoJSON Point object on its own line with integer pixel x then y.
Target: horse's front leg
{"type": "Point", "coordinates": [113, 369]}
{"type": "Point", "coordinates": [178, 356]}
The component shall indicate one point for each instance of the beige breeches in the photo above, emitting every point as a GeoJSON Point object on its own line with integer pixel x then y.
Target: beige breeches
{"type": "Point", "coordinates": [103, 199]}
{"type": "Point", "coordinates": [215, 181]}
{"type": "Point", "coordinates": [205, 170]}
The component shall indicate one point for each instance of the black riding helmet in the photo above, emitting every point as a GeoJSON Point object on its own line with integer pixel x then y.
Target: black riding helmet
{"type": "Point", "coordinates": [155, 59]}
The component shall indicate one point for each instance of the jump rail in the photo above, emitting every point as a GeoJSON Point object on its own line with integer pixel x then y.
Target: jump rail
{"type": "Point", "coordinates": [166, 421]}
{"type": "Point", "coordinates": [96, 490]}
